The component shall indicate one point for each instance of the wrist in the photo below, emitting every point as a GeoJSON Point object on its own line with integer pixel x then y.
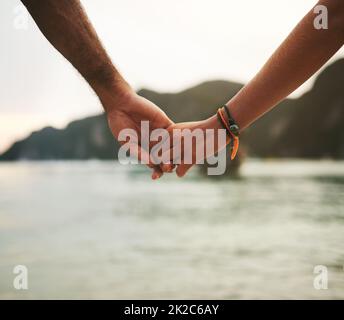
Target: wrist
{"type": "Point", "coordinates": [116, 96]}
{"type": "Point", "coordinates": [237, 114]}
{"type": "Point", "coordinates": [213, 123]}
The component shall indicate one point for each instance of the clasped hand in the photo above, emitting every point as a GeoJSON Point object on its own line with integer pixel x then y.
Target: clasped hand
{"type": "Point", "coordinates": [129, 110]}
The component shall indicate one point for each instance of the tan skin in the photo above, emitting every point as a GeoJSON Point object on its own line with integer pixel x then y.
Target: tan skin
{"type": "Point", "coordinates": [305, 51]}
{"type": "Point", "coordinates": [301, 54]}
{"type": "Point", "coordinates": [65, 24]}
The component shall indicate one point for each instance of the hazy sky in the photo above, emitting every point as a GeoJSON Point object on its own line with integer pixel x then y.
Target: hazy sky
{"type": "Point", "coordinates": [159, 44]}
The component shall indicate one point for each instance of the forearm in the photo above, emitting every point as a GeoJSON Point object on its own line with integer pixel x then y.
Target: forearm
{"type": "Point", "coordinates": [65, 24]}
{"type": "Point", "coordinates": [303, 53]}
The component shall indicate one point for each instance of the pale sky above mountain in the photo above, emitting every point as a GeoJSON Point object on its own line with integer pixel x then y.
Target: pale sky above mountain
{"type": "Point", "coordinates": [157, 44]}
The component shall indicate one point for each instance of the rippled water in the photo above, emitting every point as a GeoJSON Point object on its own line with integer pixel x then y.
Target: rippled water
{"type": "Point", "coordinates": [101, 230]}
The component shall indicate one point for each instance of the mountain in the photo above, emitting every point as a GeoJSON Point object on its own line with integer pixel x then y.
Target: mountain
{"type": "Point", "coordinates": [308, 127]}
{"type": "Point", "coordinates": [82, 139]}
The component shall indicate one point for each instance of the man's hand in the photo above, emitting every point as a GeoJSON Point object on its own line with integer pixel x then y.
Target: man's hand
{"type": "Point", "coordinates": [65, 24]}
{"type": "Point", "coordinates": [127, 112]}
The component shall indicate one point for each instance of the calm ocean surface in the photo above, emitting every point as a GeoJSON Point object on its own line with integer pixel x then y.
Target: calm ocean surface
{"type": "Point", "coordinates": [101, 230]}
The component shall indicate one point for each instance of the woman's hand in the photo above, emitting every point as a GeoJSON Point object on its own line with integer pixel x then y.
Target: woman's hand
{"type": "Point", "coordinates": [192, 142]}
